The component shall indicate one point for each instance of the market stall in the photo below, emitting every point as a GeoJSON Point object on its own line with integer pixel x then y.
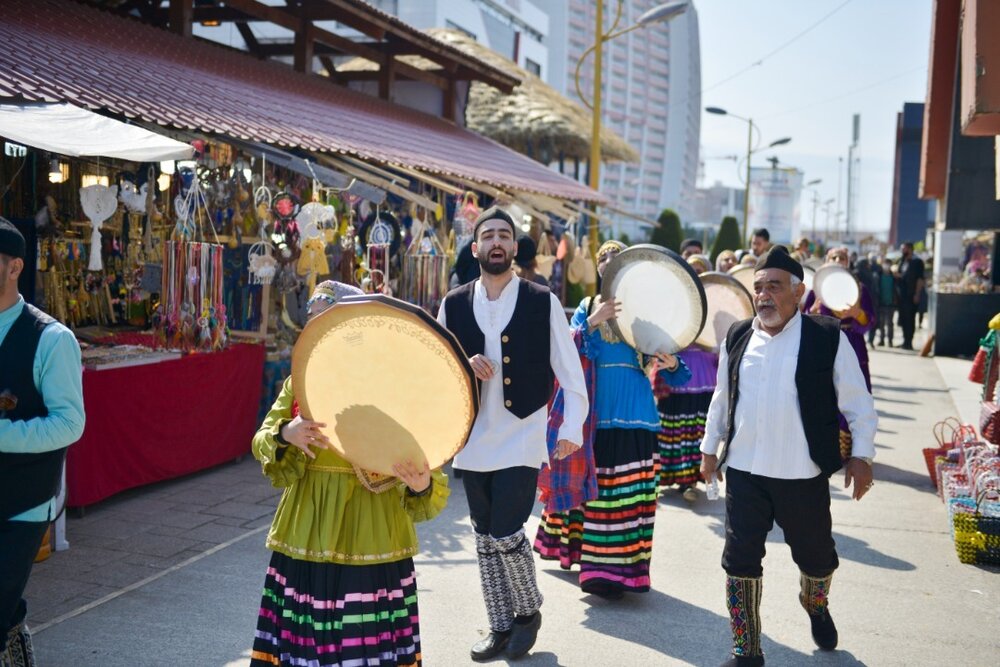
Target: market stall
{"type": "Point", "coordinates": [151, 422]}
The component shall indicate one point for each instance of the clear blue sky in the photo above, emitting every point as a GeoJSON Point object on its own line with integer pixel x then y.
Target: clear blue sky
{"type": "Point", "coordinates": [869, 57]}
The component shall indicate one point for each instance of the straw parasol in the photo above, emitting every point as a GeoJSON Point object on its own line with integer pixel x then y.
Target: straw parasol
{"type": "Point", "coordinates": [535, 119]}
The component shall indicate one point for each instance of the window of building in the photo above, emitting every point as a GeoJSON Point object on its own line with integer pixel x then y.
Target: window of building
{"type": "Point", "coordinates": [533, 67]}
{"type": "Point", "coordinates": [455, 26]}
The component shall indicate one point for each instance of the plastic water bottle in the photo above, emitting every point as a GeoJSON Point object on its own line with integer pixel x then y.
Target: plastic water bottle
{"type": "Point", "coordinates": [712, 492]}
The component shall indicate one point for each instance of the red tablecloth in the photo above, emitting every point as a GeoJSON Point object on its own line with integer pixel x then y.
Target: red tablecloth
{"type": "Point", "coordinates": [158, 421]}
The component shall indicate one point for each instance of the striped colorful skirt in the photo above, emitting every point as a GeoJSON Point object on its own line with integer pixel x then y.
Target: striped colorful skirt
{"type": "Point", "coordinates": [682, 427]}
{"type": "Point", "coordinates": [331, 615]}
{"type": "Point", "coordinates": [611, 538]}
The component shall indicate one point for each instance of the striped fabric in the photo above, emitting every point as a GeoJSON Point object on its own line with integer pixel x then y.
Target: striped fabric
{"type": "Point", "coordinates": [331, 615]}
{"type": "Point", "coordinates": [682, 428]}
{"type": "Point", "coordinates": [611, 538]}
{"type": "Point", "coordinates": [569, 482]}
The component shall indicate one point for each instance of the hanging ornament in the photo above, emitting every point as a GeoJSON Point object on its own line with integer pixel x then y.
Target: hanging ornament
{"type": "Point", "coordinates": [99, 202]}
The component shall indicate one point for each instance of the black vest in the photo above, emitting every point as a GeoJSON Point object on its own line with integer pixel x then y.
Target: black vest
{"type": "Point", "coordinates": [813, 382]}
{"type": "Point", "coordinates": [526, 368]}
{"type": "Point", "coordinates": [26, 480]}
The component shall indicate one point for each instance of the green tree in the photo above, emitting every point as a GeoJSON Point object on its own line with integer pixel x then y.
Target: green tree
{"type": "Point", "coordinates": [728, 238]}
{"type": "Point", "coordinates": [625, 239]}
{"type": "Point", "coordinates": [669, 234]}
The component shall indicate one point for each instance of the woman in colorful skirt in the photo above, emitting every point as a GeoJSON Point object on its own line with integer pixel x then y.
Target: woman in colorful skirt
{"type": "Point", "coordinates": [611, 537]}
{"type": "Point", "coordinates": [683, 411]}
{"type": "Point", "coordinates": [340, 587]}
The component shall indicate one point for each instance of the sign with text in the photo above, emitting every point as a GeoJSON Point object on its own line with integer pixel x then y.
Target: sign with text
{"type": "Point", "coordinates": [774, 202]}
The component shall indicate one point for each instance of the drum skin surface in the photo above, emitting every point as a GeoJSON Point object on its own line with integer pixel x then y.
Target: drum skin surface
{"type": "Point", "coordinates": [836, 287]}
{"type": "Point", "coordinates": [662, 301]}
{"type": "Point", "coordinates": [744, 273]}
{"type": "Point", "coordinates": [389, 382]}
{"type": "Point", "coordinates": [728, 302]}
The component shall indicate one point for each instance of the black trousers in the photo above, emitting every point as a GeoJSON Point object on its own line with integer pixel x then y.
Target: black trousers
{"type": "Point", "coordinates": [19, 542]}
{"type": "Point", "coordinates": [800, 506]}
{"type": "Point", "coordinates": [907, 319]}
{"type": "Point", "coordinates": [500, 501]}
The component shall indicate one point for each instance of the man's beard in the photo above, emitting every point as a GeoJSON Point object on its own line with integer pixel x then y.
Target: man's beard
{"type": "Point", "coordinates": [495, 268]}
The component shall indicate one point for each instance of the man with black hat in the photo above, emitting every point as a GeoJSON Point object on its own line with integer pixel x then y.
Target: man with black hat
{"type": "Point", "coordinates": [518, 341]}
{"type": "Point", "coordinates": [41, 414]}
{"type": "Point", "coordinates": [779, 457]}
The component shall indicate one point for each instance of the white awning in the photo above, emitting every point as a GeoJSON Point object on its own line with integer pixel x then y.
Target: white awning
{"type": "Point", "coordinates": [72, 131]}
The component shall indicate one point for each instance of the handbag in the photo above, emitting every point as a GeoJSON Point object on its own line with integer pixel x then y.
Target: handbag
{"type": "Point", "coordinates": [976, 528]}
{"type": "Point", "coordinates": [989, 422]}
{"type": "Point", "coordinates": [945, 442]}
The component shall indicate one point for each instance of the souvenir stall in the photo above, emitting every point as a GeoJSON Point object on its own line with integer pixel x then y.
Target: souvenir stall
{"type": "Point", "coordinates": [965, 467]}
{"type": "Point", "coordinates": [963, 294]}
{"type": "Point", "coordinates": [94, 202]}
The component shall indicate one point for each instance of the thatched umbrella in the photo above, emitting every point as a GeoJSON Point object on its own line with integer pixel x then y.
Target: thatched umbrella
{"type": "Point", "coordinates": [534, 119]}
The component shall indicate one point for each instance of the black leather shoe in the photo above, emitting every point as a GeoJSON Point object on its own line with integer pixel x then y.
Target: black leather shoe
{"type": "Point", "coordinates": [824, 632]}
{"type": "Point", "coordinates": [523, 636]}
{"type": "Point", "coordinates": [490, 646]}
{"type": "Point", "coordinates": [744, 661]}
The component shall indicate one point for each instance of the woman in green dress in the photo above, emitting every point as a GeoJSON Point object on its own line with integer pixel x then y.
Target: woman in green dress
{"type": "Point", "coordinates": [340, 586]}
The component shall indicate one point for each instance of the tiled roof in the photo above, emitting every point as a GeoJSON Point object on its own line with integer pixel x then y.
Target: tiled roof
{"type": "Point", "coordinates": [58, 50]}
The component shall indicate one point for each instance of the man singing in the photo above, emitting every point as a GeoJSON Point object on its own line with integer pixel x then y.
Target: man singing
{"type": "Point", "coordinates": [518, 340]}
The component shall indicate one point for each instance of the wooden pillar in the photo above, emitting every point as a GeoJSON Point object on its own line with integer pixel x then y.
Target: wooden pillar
{"type": "Point", "coordinates": [181, 16]}
{"type": "Point", "coordinates": [448, 110]}
{"type": "Point", "coordinates": [385, 76]}
{"type": "Point", "coordinates": [303, 49]}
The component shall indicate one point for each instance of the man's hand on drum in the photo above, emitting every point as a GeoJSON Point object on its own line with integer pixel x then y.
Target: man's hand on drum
{"type": "Point", "coordinates": [606, 311]}
{"type": "Point", "coordinates": [418, 479]}
{"type": "Point", "coordinates": [565, 447]}
{"type": "Point", "coordinates": [482, 367]}
{"type": "Point", "coordinates": [305, 433]}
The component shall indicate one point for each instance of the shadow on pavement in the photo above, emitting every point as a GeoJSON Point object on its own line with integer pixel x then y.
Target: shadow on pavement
{"type": "Point", "coordinates": [893, 475]}
{"type": "Point", "coordinates": [882, 414]}
{"type": "Point", "coordinates": [906, 390]}
{"type": "Point", "coordinates": [859, 551]}
{"type": "Point", "coordinates": [675, 628]}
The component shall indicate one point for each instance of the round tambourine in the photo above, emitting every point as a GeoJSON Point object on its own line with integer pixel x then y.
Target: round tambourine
{"type": "Point", "coordinates": [744, 273]}
{"type": "Point", "coordinates": [662, 301]}
{"type": "Point", "coordinates": [381, 230]}
{"type": "Point", "coordinates": [728, 302]}
{"type": "Point", "coordinates": [389, 382]}
{"type": "Point", "coordinates": [836, 288]}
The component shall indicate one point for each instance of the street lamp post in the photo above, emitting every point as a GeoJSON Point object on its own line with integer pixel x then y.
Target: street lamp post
{"type": "Point", "coordinates": [750, 151]}
{"type": "Point", "coordinates": [657, 14]}
{"type": "Point", "coordinates": [815, 192]}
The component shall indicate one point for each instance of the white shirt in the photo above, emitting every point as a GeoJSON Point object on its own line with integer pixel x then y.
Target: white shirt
{"type": "Point", "coordinates": [769, 439]}
{"type": "Point", "coordinates": [499, 438]}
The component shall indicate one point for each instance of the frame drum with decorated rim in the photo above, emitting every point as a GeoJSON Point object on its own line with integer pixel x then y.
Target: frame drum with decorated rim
{"type": "Point", "coordinates": [389, 382]}
{"type": "Point", "coordinates": [728, 302]}
{"type": "Point", "coordinates": [662, 301]}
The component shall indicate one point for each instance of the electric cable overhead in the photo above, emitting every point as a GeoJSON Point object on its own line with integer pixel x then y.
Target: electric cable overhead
{"type": "Point", "coordinates": [760, 61]}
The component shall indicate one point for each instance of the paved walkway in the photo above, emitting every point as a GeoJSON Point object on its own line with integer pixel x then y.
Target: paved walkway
{"type": "Point", "coordinates": [171, 574]}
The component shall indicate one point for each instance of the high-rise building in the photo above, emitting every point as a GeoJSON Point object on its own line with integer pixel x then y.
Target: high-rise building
{"type": "Point", "coordinates": [911, 216]}
{"type": "Point", "coordinates": [714, 203]}
{"type": "Point", "coordinates": [651, 95]}
{"type": "Point", "coordinates": [515, 29]}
